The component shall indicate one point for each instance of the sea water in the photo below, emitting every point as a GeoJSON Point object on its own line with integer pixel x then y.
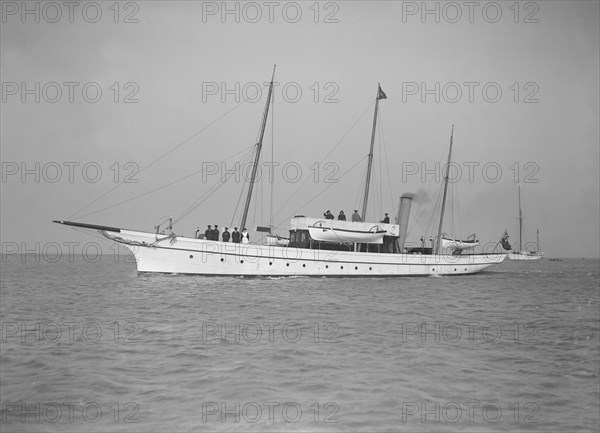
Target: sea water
{"type": "Point", "coordinates": [93, 346]}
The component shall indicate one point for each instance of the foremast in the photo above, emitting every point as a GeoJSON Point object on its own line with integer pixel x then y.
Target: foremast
{"type": "Point", "coordinates": [257, 156]}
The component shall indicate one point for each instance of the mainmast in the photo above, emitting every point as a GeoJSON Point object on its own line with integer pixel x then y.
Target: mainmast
{"type": "Point", "coordinates": [446, 178]}
{"type": "Point", "coordinates": [380, 95]}
{"type": "Point", "coordinates": [257, 157]}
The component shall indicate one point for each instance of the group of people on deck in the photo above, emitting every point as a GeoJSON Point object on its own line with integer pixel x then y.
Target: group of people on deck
{"type": "Point", "coordinates": [355, 217]}
{"type": "Point", "coordinates": [236, 237]}
{"type": "Point", "coordinates": [213, 235]}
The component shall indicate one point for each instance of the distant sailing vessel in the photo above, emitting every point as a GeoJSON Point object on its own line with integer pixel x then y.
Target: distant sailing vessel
{"type": "Point", "coordinates": [315, 247]}
{"type": "Point", "coordinates": [519, 254]}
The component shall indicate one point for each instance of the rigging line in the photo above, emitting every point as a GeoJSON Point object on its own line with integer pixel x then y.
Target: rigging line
{"type": "Point", "coordinates": [381, 185]}
{"type": "Point", "coordinates": [201, 200]}
{"type": "Point", "coordinates": [261, 194]}
{"type": "Point", "coordinates": [255, 209]}
{"type": "Point", "coordinates": [376, 207]}
{"type": "Point", "coordinates": [349, 130]}
{"type": "Point", "coordinates": [237, 206]}
{"type": "Point", "coordinates": [436, 203]}
{"type": "Point", "coordinates": [272, 173]}
{"type": "Point", "coordinates": [242, 190]}
{"type": "Point", "coordinates": [155, 189]}
{"type": "Point", "coordinates": [359, 191]}
{"type": "Point", "coordinates": [239, 200]}
{"type": "Point", "coordinates": [453, 207]}
{"type": "Point", "coordinates": [330, 152]}
{"type": "Point", "coordinates": [204, 197]}
{"type": "Point", "coordinates": [324, 189]}
{"type": "Point", "coordinates": [207, 194]}
{"type": "Point", "coordinates": [387, 168]}
{"type": "Point", "coordinates": [423, 207]}
{"type": "Point", "coordinates": [380, 168]}
{"type": "Point", "coordinates": [458, 212]}
{"type": "Point", "coordinates": [163, 155]}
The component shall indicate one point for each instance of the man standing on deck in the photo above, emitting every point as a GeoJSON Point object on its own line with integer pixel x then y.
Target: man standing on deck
{"type": "Point", "coordinates": [386, 220]}
{"type": "Point", "coordinates": [341, 216]}
{"type": "Point", "coordinates": [226, 235]}
{"type": "Point", "coordinates": [356, 217]}
{"type": "Point", "coordinates": [215, 233]}
{"type": "Point", "coordinates": [235, 236]}
{"type": "Point", "coordinates": [208, 233]}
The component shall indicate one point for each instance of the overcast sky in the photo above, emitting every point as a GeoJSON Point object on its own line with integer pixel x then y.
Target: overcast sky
{"type": "Point", "coordinates": [519, 84]}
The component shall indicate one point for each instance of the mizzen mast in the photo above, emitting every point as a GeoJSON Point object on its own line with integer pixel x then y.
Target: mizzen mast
{"type": "Point", "coordinates": [446, 179]}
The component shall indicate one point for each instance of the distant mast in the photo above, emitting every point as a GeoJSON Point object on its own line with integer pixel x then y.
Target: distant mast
{"type": "Point", "coordinates": [257, 157]}
{"type": "Point", "coordinates": [446, 178]}
{"type": "Point", "coordinates": [380, 95]}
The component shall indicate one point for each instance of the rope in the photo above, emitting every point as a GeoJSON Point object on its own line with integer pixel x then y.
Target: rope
{"type": "Point", "coordinates": [387, 167]}
{"type": "Point", "coordinates": [330, 152]}
{"type": "Point", "coordinates": [322, 191]}
{"type": "Point", "coordinates": [163, 156]}
{"type": "Point", "coordinates": [359, 191]}
{"type": "Point", "coordinates": [209, 193]}
{"type": "Point", "coordinates": [155, 189]}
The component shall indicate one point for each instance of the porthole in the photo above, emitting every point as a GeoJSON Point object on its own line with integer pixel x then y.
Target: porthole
{"type": "Point", "coordinates": [287, 264]}
{"type": "Point", "coordinates": [191, 257]}
{"type": "Point", "coordinates": [370, 268]}
{"type": "Point", "coordinates": [241, 261]}
{"type": "Point", "coordinates": [433, 269]}
{"type": "Point", "coordinates": [303, 265]}
{"type": "Point", "coordinates": [455, 269]}
{"type": "Point", "coordinates": [326, 266]}
{"type": "Point", "coordinates": [222, 259]}
{"type": "Point", "coordinates": [356, 268]}
{"type": "Point", "coordinates": [341, 267]}
{"type": "Point", "coordinates": [270, 263]}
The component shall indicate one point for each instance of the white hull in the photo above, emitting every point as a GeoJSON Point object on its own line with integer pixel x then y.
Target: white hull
{"type": "Point", "coordinates": [525, 256]}
{"type": "Point", "coordinates": [179, 255]}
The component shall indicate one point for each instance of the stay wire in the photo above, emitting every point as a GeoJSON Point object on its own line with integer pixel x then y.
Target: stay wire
{"type": "Point", "coordinates": [206, 195]}
{"type": "Point", "coordinates": [322, 191]}
{"type": "Point", "coordinates": [155, 189]}
{"type": "Point", "coordinates": [161, 157]}
{"type": "Point", "coordinates": [323, 159]}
